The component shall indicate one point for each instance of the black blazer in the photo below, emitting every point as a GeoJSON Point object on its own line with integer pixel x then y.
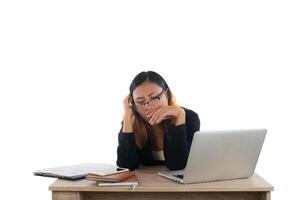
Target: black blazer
{"type": "Point", "coordinates": [177, 143]}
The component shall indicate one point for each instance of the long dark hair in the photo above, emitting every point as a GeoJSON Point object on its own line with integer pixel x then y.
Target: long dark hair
{"type": "Point", "coordinates": [141, 127]}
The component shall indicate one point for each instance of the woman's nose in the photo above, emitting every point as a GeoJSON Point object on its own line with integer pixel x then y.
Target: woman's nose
{"type": "Point", "coordinates": [148, 108]}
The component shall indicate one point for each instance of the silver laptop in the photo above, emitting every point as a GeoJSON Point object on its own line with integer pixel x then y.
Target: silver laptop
{"type": "Point", "coordinates": [220, 155]}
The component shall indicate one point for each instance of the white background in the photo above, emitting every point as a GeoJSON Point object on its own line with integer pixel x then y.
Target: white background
{"type": "Point", "coordinates": [65, 67]}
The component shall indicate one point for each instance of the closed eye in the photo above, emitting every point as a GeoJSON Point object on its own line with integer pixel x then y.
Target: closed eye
{"type": "Point", "coordinates": [156, 97]}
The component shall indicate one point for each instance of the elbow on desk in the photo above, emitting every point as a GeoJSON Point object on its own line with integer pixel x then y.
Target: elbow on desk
{"type": "Point", "coordinates": [176, 166]}
{"type": "Point", "coordinates": [177, 162]}
{"type": "Point", "coordinates": [130, 166]}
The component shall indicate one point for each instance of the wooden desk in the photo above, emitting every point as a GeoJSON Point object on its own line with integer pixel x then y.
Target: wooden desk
{"type": "Point", "coordinates": [153, 186]}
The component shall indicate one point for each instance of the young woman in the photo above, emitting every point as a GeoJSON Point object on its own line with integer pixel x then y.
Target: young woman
{"type": "Point", "coordinates": [155, 131]}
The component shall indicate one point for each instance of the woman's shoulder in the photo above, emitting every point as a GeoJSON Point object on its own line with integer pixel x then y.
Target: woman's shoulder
{"type": "Point", "coordinates": [189, 112]}
{"type": "Point", "coordinates": [192, 120]}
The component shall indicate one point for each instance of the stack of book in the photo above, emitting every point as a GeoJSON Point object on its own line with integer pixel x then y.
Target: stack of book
{"type": "Point", "coordinates": [126, 178]}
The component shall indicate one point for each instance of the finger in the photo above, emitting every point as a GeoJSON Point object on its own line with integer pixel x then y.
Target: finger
{"type": "Point", "coordinates": [129, 100]}
{"type": "Point", "coordinates": [157, 114]}
{"type": "Point", "coordinates": [151, 111]}
{"type": "Point", "coordinates": [167, 117]}
{"type": "Point", "coordinates": [161, 118]}
{"type": "Point", "coordinates": [164, 114]}
{"type": "Point", "coordinates": [126, 98]}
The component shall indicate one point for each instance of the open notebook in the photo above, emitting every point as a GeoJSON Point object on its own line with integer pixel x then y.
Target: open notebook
{"type": "Point", "coordinates": [75, 172]}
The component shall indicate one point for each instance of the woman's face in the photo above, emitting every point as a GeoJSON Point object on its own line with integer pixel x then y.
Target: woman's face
{"type": "Point", "coordinates": [148, 97]}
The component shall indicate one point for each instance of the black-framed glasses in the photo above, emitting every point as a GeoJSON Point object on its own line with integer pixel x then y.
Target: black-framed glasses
{"type": "Point", "coordinates": [152, 101]}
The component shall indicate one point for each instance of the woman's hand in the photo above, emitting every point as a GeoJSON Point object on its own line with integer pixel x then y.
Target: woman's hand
{"type": "Point", "coordinates": [127, 106]}
{"type": "Point", "coordinates": [128, 114]}
{"type": "Point", "coordinates": [168, 112]}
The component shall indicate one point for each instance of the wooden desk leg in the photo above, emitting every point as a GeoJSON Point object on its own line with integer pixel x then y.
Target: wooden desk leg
{"type": "Point", "coordinates": [66, 196]}
{"type": "Point", "coordinates": [268, 196]}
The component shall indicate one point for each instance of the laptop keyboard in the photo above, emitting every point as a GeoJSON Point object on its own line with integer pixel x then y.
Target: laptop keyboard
{"type": "Point", "coordinates": [179, 176]}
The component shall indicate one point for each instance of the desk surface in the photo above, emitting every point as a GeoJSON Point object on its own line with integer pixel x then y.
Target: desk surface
{"type": "Point", "coordinates": [149, 181]}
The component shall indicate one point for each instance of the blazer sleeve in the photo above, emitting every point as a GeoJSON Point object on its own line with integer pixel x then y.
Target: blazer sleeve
{"type": "Point", "coordinates": [127, 155]}
{"type": "Point", "coordinates": [178, 140]}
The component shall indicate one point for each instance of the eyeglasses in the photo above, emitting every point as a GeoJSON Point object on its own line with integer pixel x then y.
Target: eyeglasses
{"type": "Point", "coordinates": [152, 101]}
